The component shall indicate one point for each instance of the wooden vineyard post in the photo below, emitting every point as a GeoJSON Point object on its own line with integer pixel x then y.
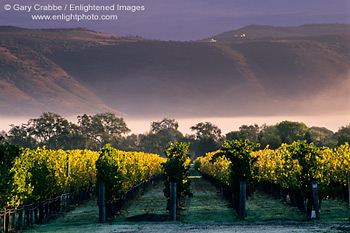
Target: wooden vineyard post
{"type": "Point", "coordinates": [9, 220]}
{"type": "Point", "coordinates": [315, 197]}
{"type": "Point", "coordinates": [68, 188]}
{"type": "Point", "coordinates": [172, 207]}
{"type": "Point", "coordinates": [349, 187]}
{"type": "Point", "coordinates": [101, 202]}
{"type": "Point", "coordinates": [242, 199]}
{"type": "Point", "coordinates": [14, 221]}
{"type": "Point", "coordinates": [5, 221]}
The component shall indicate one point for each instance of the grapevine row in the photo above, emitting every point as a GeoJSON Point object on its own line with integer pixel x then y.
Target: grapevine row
{"type": "Point", "coordinates": [31, 175]}
{"type": "Point", "coordinates": [285, 168]}
{"type": "Point", "coordinates": [120, 170]}
{"type": "Point", "coordinates": [291, 167]}
{"type": "Point", "coordinates": [39, 174]}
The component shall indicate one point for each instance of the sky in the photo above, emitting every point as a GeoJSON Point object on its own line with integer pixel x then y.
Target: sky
{"type": "Point", "coordinates": [181, 19]}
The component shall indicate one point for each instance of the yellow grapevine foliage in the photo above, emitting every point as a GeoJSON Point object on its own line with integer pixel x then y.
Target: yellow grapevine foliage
{"type": "Point", "coordinates": [283, 166]}
{"type": "Point", "coordinates": [329, 168]}
{"type": "Point", "coordinates": [277, 166]}
{"type": "Point", "coordinates": [342, 165]}
{"type": "Point", "coordinates": [41, 173]}
{"type": "Point", "coordinates": [82, 168]}
{"type": "Point", "coordinates": [121, 170]}
{"type": "Point", "coordinates": [218, 169]}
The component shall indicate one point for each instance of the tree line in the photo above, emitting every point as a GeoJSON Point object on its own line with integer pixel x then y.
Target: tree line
{"type": "Point", "coordinates": [94, 131]}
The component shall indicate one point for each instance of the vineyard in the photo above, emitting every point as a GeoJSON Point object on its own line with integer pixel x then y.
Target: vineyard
{"type": "Point", "coordinates": [29, 177]}
{"type": "Point", "coordinates": [33, 176]}
{"type": "Point", "coordinates": [288, 172]}
{"type": "Point", "coordinates": [40, 174]}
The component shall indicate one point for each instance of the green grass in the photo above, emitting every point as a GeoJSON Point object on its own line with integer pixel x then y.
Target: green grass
{"type": "Point", "coordinates": [262, 207]}
{"type": "Point", "coordinates": [208, 205]}
{"type": "Point", "coordinates": [335, 211]}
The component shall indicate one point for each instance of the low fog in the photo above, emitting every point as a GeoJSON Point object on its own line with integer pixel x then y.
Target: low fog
{"type": "Point", "coordinates": [226, 124]}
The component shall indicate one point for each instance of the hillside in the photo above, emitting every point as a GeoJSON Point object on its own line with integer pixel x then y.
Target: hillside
{"type": "Point", "coordinates": [77, 69]}
{"type": "Point", "coordinates": [272, 32]}
{"type": "Point", "coordinates": [31, 83]}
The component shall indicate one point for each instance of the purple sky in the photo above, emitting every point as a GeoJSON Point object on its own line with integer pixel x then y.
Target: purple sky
{"type": "Point", "coordinates": [189, 19]}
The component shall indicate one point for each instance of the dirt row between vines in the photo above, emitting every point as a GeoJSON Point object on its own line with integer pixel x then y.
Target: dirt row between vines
{"type": "Point", "coordinates": [206, 211]}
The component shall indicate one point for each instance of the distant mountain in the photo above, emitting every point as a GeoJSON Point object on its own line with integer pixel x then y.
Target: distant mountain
{"type": "Point", "coordinates": [80, 70]}
{"type": "Point", "coordinates": [270, 32]}
{"type": "Point", "coordinates": [30, 82]}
